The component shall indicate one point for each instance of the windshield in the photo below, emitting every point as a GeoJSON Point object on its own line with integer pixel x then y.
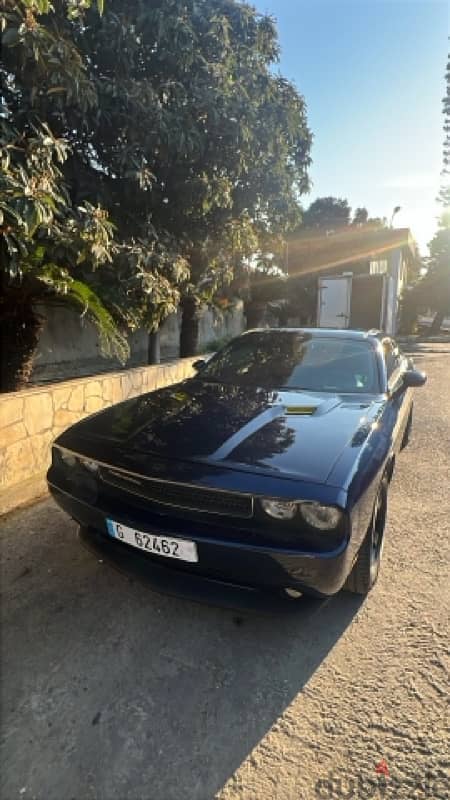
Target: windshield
{"type": "Point", "coordinates": [289, 360]}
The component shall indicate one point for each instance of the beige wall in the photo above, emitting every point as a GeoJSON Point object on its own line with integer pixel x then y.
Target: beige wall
{"type": "Point", "coordinates": [30, 420]}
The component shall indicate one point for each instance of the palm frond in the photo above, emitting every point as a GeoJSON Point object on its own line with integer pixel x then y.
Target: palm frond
{"type": "Point", "coordinates": [112, 342]}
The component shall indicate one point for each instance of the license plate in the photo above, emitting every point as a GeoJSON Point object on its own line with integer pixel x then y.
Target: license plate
{"type": "Point", "coordinates": [165, 546]}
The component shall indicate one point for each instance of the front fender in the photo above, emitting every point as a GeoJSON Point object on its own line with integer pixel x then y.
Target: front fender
{"type": "Point", "coordinates": [364, 466]}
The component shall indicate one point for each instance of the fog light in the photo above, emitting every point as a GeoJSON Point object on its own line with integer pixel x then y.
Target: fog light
{"type": "Point", "coordinates": [280, 509]}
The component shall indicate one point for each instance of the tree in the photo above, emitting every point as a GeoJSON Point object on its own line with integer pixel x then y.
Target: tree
{"type": "Point", "coordinates": [50, 73]}
{"type": "Point", "coordinates": [265, 291]}
{"type": "Point", "coordinates": [242, 188]}
{"type": "Point", "coordinates": [444, 195]}
{"type": "Point", "coordinates": [377, 222]}
{"type": "Point", "coordinates": [327, 213]}
{"type": "Point", "coordinates": [433, 290]}
{"type": "Point", "coordinates": [331, 213]}
{"type": "Point", "coordinates": [437, 279]}
{"type": "Point", "coordinates": [302, 292]}
{"type": "Point", "coordinates": [360, 216]}
{"type": "Point", "coordinates": [47, 244]}
{"type": "Point", "coordinates": [176, 126]}
{"type": "Point", "coordinates": [44, 245]}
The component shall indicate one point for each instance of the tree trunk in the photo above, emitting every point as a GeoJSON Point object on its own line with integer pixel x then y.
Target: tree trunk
{"type": "Point", "coordinates": [189, 327]}
{"type": "Point", "coordinates": [437, 322]}
{"type": "Point", "coordinates": [153, 353]}
{"type": "Point", "coordinates": [20, 331]}
{"type": "Point", "coordinates": [283, 315]}
{"type": "Point", "coordinates": [253, 314]}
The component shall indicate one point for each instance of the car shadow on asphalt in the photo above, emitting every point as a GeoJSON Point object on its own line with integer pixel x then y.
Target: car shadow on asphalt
{"type": "Point", "coordinates": [119, 693]}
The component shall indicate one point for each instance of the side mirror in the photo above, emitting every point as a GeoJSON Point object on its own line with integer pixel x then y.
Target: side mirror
{"type": "Point", "coordinates": [199, 364]}
{"type": "Point", "coordinates": [413, 378]}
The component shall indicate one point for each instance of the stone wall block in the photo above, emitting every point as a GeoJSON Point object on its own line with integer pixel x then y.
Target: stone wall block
{"type": "Point", "coordinates": [38, 412]}
{"type": "Point", "coordinates": [92, 404]}
{"type": "Point", "coordinates": [107, 394]}
{"type": "Point", "coordinates": [64, 418]}
{"type": "Point", "coordinates": [76, 399]}
{"type": "Point", "coordinates": [19, 462]}
{"type": "Point", "coordinates": [116, 387]}
{"type": "Point", "coordinates": [11, 410]}
{"type": "Point", "coordinates": [13, 433]}
{"type": "Point", "coordinates": [93, 389]}
{"type": "Point", "coordinates": [127, 386]}
{"type": "Point", "coordinates": [41, 445]}
{"type": "Point", "coordinates": [61, 397]}
{"type": "Point", "coordinates": [136, 380]}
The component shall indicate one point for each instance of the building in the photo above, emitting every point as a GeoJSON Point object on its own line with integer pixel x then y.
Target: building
{"type": "Point", "coordinates": [361, 273]}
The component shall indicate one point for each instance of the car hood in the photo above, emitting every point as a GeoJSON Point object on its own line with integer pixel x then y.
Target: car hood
{"type": "Point", "coordinates": [292, 433]}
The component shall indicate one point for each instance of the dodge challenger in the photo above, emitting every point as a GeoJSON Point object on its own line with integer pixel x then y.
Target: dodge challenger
{"type": "Point", "coordinates": [269, 470]}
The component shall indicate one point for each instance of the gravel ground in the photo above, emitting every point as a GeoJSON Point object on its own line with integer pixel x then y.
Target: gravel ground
{"type": "Point", "coordinates": [111, 692]}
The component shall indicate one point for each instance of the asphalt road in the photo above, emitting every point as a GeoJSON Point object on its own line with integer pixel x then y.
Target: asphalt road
{"type": "Point", "coordinates": [112, 692]}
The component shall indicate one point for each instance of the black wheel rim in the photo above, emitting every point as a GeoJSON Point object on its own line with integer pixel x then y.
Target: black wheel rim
{"type": "Point", "coordinates": [377, 537]}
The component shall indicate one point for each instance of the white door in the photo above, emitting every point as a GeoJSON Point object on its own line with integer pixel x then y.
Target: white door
{"type": "Point", "coordinates": [334, 302]}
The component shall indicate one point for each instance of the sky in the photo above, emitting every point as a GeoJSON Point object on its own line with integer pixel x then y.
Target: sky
{"type": "Point", "coordinates": [372, 74]}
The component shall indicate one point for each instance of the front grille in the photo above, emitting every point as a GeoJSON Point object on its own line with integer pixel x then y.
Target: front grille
{"type": "Point", "coordinates": [178, 495]}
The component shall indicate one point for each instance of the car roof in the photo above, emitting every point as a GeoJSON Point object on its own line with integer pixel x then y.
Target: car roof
{"type": "Point", "coordinates": [338, 333]}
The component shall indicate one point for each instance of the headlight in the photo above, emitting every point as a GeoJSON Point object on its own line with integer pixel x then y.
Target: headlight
{"type": "Point", "coordinates": [90, 465]}
{"type": "Point", "coordinates": [322, 517]}
{"type": "Point", "coordinates": [69, 460]}
{"type": "Point", "coordinates": [280, 509]}
{"type": "Point", "coordinates": [66, 458]}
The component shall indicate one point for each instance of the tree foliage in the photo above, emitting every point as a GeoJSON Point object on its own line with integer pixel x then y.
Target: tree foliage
{"type": "Point", "coordinates": [327, 213]}
{"type": "Point", "coordinates": [439, 264]}
{"type": "Point", "coordinates": [333, 213]}
{"type": "Point", "coordinates": [176, 128]}
{"type": "Point", "coordinates": [360, 216]}
{"type": "Point", "coordinates": [432, 291]}
{"type": "Point", "coordinates": [444, 195]}
{"type": "Point", "coordinates": [46, 242]}
{"type": "Point", "coordinates": [45, 246]}
{"type": "Point", "coordinates": [437, 280]}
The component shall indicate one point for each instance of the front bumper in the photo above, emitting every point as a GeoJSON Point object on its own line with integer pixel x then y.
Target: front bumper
{"type": "Point", "coordinates": [220, 561]}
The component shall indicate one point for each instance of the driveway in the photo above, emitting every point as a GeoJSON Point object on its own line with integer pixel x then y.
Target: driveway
{"type": "Point", "coordinates": [112, 692]}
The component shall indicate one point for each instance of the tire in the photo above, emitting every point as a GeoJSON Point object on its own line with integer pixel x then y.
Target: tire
{"type": "Point", "coordinates": [408, 430]}
{"type": "Point", "coordinates": [365, 570]}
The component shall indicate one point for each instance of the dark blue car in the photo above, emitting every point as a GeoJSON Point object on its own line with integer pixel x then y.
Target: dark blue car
{"type": "Point", "coordinates": [269, 470]}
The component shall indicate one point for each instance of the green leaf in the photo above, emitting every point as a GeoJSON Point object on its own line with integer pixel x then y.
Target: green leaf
{"type": "Point", "coordinates": [100, 5]}
{"type": "Point", "coordinates": [10, 37]}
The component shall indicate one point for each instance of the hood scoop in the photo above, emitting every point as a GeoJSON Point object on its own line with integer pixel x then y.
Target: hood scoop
{"type": "Point", "coordinates": [316, 407]}
{"type": "Point", "coordinates": [300, 411]}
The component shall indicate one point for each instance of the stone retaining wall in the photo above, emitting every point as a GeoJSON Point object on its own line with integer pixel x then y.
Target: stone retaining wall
{"type": "Point", "coordinates": [30, 420]}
